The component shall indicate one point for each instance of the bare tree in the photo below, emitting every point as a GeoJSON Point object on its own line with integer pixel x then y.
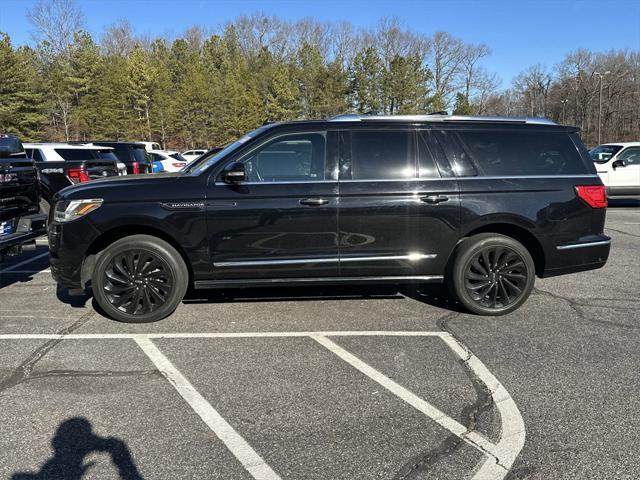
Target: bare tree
{"type": "Point", "coordinates": [55, 22]}
{"type": "Point", "coordinates": [447, 54]}
{"type": "Point", "coordinates": [118, 39]}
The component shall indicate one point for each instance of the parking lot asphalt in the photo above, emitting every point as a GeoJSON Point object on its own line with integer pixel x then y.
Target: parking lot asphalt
{"type": "Point", "coordinates": [332, 383]}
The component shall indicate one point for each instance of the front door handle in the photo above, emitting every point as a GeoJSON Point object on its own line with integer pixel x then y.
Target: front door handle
{"type": "Point", "coordinates": [433, 199]}
{"type": "Point", "coordinates": [314, 202]}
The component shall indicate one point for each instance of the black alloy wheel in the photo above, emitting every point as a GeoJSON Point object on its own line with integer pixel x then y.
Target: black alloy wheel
{"type": "Point", "coordinates": [139, 279]}
{"type": "Point", "coordinates": [496, 277]}
{"type": "Point", "coordinates": [138, 282]}
{"type": "Point", "coordinates": [491, 274]}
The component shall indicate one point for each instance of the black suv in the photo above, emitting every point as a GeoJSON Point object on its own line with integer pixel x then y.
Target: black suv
{"type": "Point", "coordinates": [132, 154]}
{"type": "Point", "coordinates": [20, 222]}
{"type": "Point", "coordinates": [485, 204]}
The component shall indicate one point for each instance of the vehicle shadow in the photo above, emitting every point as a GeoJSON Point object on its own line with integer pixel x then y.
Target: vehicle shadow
{"type": "Point", "coordinates": [13, 270]}
{"type": "Point", "coordinates": [73, 441]}
{"type": "Point", "coordinates": [434, 295]}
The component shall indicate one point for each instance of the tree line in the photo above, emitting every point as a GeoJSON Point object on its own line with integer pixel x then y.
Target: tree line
{"type": "Point", "coordinates": [206, 88]}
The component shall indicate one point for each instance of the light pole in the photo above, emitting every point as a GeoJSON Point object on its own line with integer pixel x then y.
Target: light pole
{"type": "Point", "coordinates": [564, 104]}
{"type": "Point", "coordinates": [601, 75]}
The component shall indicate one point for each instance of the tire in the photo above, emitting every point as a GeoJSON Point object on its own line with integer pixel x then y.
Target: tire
{"type": "Point", "coordinates": [492, 274]}
{"type": "Point", "coordinates": [133, 292]}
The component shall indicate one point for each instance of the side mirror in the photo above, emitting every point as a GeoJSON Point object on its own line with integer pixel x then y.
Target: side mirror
{"type": "Point", "coordinates": [234, 173]}
{"type": "Point", "coordinates": [618, 163]}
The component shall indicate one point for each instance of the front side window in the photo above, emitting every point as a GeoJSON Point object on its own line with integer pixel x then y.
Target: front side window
{"type": "Point", "coordinates": [630, 156]}
{"type": "Point", "coordinates": [377, 155]}
{"type": "Point", "coordinates": [289, 158]}
{"type": "Point", "coordinates": [520, 152]}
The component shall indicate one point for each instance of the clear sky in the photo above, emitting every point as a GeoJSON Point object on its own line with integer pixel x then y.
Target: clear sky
{"type": "Point", "coordinates": [520, 32]}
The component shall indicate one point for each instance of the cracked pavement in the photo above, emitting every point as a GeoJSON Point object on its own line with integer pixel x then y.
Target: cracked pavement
{"type": "Point", "coordinates": [568, 357]}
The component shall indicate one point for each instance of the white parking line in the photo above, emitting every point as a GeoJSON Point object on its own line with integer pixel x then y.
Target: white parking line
{"type": "Point", "coordinates": [28, 260]}
{"type": "Point", "coordinates": [98, 336]}
{"type": "Point", "coordinates": [499, 456]}
{"type": "Point", "coordinates": [32, 272]}
{"type": "Point", "coordinates": [249, 458]}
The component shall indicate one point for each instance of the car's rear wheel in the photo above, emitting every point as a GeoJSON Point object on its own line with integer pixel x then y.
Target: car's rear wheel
{"type": "Point", "coordinates": [139, 279]}
{"type": "Point", "coordinates": [492, 274]}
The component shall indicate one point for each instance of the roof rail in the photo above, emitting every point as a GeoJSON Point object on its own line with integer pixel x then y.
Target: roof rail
{"type": "Point", "coordinates": [438, 117]}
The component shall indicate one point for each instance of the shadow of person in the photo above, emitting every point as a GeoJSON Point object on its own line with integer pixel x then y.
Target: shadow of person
{"type": "Point", "coordinates": [73, 441]}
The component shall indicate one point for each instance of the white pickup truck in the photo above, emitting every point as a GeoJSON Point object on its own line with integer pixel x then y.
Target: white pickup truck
{"type": "Point", "coordinates": [618, 164]}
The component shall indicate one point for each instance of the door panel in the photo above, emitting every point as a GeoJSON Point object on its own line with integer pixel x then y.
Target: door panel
{"type": "Point", "coordinates": [282, 221]}
{"type": "Point", "coordinates": [390, 226]}
{"type": "Point", "coordinates": [627, 177]}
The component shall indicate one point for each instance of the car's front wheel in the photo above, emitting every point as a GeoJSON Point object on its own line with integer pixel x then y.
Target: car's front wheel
{"type": "Point", "coordinates": [139, 279]}
{"type": "Point", "coordinates": [492, 274]}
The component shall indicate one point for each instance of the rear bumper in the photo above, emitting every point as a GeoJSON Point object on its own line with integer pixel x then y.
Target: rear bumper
{"type": "Point", "coordinates": [587, 254]}
{"type": "Point", "coordinates": [28, 228]}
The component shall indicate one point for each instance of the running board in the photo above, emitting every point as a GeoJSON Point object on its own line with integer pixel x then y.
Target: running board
{"type": "Point", "coordinates": [266, 282]}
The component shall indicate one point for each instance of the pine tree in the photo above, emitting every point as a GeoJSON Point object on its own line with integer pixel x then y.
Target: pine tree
{"type": "Point", "coordinates": [462, 106]}
{"type": "Point", "coordinates": [20, 101]}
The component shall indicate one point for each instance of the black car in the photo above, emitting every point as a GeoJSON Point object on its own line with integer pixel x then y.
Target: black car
{"type": "Point", "coordinates": [484, 204]}
{"type": "Point", "coordinates": [20, 222]}
{"type": "Point", "coordinates": [132, 154]}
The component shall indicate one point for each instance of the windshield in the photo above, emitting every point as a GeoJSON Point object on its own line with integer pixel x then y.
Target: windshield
{"type": "Point", "coordinates": [203, 163]}
{"type": "Point", "coordinates": [603, 153]}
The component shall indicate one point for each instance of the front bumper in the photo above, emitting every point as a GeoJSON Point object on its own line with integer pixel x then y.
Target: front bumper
{"type": "Point", "coordinates": [68, 246]}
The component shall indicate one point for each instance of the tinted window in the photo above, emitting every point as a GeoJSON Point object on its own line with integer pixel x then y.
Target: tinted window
{"type": "Point", "coordinates": [139, 155]}
{"type": "Point", "coordinates": [602, 153]}
{"type": "Point", "coordinates": [106, 155]}
{"type": "Point", "coordinates": [500, 153]}
{"type": "Point", "coordinates": [75, 153]}
{"type": "Point", "coordinates": [379, 155]}
{"type": "Point", "coordinates": [427, 151]}
{"type": "Point", "coordinates": [177, 156]}
{"type": "Point", "coordinates": [457, 156]}
{"type": "Point", "coordinates": [10, 146]}
{"type": "Point", "coordinates": [290, 158]}
{"type": "Point", "coordinates": [631, 156]}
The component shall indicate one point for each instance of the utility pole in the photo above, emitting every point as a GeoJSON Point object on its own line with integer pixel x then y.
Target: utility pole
{"type": "Point", "coordinates": [564, 104]}
{"type": "Point", "coordinates": [601, 76]}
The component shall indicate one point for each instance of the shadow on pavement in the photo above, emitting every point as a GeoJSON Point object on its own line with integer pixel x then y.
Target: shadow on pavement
{"type": "Point", "coordinates": [12, 272]}
{"type": "Point", "coordinates": [72, 443]}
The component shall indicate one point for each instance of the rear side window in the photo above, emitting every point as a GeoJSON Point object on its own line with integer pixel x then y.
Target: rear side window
{"type": "Point", "coordinates": [75, 153]}
{"type": "Point", "coordinates": [458, 156]}
{"type": "Point", "coordinates": [521, 152]}
{"type": "Point", "coordinates": [139, 155]}
{"type": "Point", "coordinates": [378, 155]}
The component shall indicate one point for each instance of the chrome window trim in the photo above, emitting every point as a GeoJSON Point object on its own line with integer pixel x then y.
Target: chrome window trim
{"type": "Point", "coordinates": [583, 245]}
{"type": "Point", "coordinates": [478, 177]}
{"type": "Point", "coordinates": [412, 257]}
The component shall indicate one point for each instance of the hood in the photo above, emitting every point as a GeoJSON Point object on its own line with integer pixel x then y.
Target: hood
{"type": "Point", "coordinates": [129, 188]}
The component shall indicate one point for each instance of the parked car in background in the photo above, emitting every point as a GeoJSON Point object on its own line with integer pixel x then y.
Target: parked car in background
{"type": "Point", "coordinates": [191, 155]}
{"type": "Point", "coordinates": [63, 164]}
{"type": "Point", "coordinates": [483, 204]}
{"type": "Point", "coordinates": [20, 222]}
{"type": "Point", "coordinates": [132, 154]}
{"type": "Point", "coordinates": [167, 160]}
{"type": "Point", "coordinates": [151, 146]}
{"type": "Point", "coordinates": [618, 164]}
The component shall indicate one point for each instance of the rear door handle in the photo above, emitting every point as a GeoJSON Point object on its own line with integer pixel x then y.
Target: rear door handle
{"type": "Point", "coordinates": [434, 199]}
{"type": "Point", "coordinates": [314, 202]}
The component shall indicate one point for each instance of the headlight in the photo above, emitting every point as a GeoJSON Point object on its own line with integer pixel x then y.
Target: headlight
{"type": "Point", "coordinates": [66, 211]}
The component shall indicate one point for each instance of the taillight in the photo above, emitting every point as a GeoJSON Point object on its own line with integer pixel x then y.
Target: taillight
{"type": "Point", "coordinates": [594, 195]}
{"type": "Point", "coordinates": [135, 167]}
{"type": "Point", "coordinates": [179, 164]}
{"type": "Point", "coordinates": [78, 175]}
